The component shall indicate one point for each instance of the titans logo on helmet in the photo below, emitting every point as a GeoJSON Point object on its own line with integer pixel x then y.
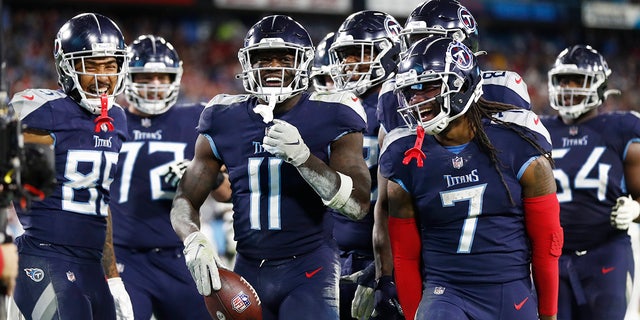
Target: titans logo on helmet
{"type": "Point", "coordinates": [467, 19]}
{"type": "Point", "coordinates": [462, 56]}
{"type": "Point", "coordinates": [392, 27]}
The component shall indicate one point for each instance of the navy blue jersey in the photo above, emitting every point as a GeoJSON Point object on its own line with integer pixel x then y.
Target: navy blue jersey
{"type": "Point", "coordinates": [500, 86]}
{"type": "Point", "coordinates": [75, 213]}
{"type": "Point", "coordinates": [276, 213]}
{"type": "Point", "coordinates": [141, 199]}
{"type": "Point", "coordinates": [589, 160]}
{"type": "Point", "coordinates": [470, 231]}
{"type": "Point", "coordinates": [353, 235]}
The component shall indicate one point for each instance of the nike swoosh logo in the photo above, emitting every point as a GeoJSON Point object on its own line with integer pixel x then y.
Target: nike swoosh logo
{"type": "Point", "coordinates": [29, 97]}
{"type": "Point", "coordinates": [519, 305]}
{"type": "Point", "coordinates": [312, 273]}
{"type": "Point", "coordinates": [607, 270]}
{"type": "Point", "coordinates": [292, 143]}
{"type": "Point", "coordinates": [519, 80]}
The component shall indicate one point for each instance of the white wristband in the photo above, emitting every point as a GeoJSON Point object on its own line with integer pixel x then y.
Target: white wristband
{"type": "Point", "coordinates": [342, 196]}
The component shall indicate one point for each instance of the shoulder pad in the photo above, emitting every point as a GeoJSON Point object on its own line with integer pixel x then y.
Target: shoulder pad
{"type": "Point", "coordinates": [635, 113]}
{"type": "Point", "coordinates": [227, 99]}
{"type": "Point", "coordinates": [29, 100]}
{"type": "Point", "coordinates": [509, 79]}
{"type": "Point", "coordinates": [524, 118]}
{"type": "Point", "coordinates": [395, 134]}
{"type": "Point", "coordinates": [343, 97]}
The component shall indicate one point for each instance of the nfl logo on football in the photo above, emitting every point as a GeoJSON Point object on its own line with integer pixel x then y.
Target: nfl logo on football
{"type": "Point", "coordinates": [240, 302]}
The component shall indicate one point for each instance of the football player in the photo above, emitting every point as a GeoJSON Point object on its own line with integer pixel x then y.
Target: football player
{"type": "Point", "coordinates": [68, 236]}
{"type": "Point", "coordinates": [162, 136]}
{"type": "Point", "coordinates": [597, 157]}
{"type": "Point", "coordinates": [471, 195]}
{"type": "Point", "coordinates": [364, 54]}
{"type": "Point", "coordinates": [433, 19]}
{"type": "Point", "coordinates": [290, 154]}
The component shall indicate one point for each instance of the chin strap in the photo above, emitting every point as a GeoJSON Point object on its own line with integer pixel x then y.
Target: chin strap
{"type": "Point", "coordinates": [104, 115]}
{"type": "Point", "coordinates": [416, 151]}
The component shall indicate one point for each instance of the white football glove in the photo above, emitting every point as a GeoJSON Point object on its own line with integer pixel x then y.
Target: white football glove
{"type": "Point", "coordinates": [363, 302]}
{"type": "Point", "coordinates": [203, 263]}
{"type": "Point", "coordinates": [624, 212]}
{"type": "Point", "coordinates": [284, 141]}
{"type": "Point", "coordinates": [174, 172]}
{"type": "Point", "coordinates": [124, 309]}
{"type": "Point", "coordinates": [363, 299]}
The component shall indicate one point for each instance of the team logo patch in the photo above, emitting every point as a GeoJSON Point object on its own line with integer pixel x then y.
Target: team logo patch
{"type": "Point", "coordinates": [461, 55]}
{"type": "Point", "coordinates": [457, 162]}
{"type": "Point", "coordinates": [467, 19]}
{"type": "Point", "coordinates": [36, 274]}
{"type": "Point", "coordinates": [240, 302]}
{"type": "Point", "coordinates": [71, 276]}
{"type": "Point", "coordinates": [438, 290]}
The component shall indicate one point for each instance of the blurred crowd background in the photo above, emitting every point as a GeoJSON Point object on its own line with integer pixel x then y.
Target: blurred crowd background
{"type": "Point", "coordinates": [519, 35]}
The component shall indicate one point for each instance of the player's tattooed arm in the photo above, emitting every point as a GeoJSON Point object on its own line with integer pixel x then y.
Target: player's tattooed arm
{"type": "Point", "coordinates": [108, 254]}
{"type": "Point", "coordinates": [538, 180]}
{"type": "Point", "coordinates": [346, 185]}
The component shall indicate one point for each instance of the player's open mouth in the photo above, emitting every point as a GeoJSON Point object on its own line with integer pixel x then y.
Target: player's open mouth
{"type": "Point", "coordinates": [273, 81]}
{"type": "Point", "coordinates": [427, 113]}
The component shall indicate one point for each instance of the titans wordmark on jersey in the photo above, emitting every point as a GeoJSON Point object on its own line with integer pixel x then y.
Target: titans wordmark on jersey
{"type": "Point", "coordinates": [141, 199]}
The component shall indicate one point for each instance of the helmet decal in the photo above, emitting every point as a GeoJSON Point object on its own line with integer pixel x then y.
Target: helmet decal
{"type": "Point", "coordinates": [467, 19]}
{"type": "Point", "coordinates": [461, 55]}
{"type": "Point", "coordinates": [392, 26]}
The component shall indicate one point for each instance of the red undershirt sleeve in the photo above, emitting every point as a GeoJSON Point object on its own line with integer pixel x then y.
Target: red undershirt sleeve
{"type": "Point", "coordinates": [406, 248]}
{"type": "Point", "coordinates": [542, 222]}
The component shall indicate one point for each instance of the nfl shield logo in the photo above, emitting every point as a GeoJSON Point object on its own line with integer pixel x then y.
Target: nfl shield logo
{"type": "Point", "coordinates": [573, 130]}
{"type": "Point", "coordinates": [438, 290]}
{"type": "Point", "coordinates": [458, 162]}
{"type": "Point", "coordinates": [71, 276]}
{"type": "Point", "coordinates": [240, 302]}
{"type": "Point", "coordinates": [145, 122]}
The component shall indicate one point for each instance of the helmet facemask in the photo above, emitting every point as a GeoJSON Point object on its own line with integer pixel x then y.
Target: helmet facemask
{"type": "Point", "coordinates": [460, 86]}
{"type": "Point", "coordinates": [73, 65]}
{"type": "Point", "coordinates": [572, 102]}
{"type": "Point", "coordinates": [419, 113]}
{"type": "Point", "coordinates": [361, 75]}
{"type": "Point", "coordinates": [153, 98]}
{"type": "Point", "coordinates": [275, 82]}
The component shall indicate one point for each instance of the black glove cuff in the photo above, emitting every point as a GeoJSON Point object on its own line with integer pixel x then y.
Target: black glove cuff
{"type": "Point", "coordinates": [383, 282]}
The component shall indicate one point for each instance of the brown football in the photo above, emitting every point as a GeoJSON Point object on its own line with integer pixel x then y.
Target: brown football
{"type": "Point", "coordinates": [236, 300]}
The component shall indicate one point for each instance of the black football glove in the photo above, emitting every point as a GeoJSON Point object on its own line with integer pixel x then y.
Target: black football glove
{"type": "Point", "coordinates": [174, 172]}
{"type": "Point", "coordinates": [387, 305]}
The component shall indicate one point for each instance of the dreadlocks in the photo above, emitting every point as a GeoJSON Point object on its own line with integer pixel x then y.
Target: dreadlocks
{"type": "Point", "coordinates": [485, 109]}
